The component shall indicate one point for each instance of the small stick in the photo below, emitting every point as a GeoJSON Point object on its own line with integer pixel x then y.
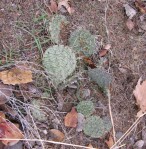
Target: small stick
{"type": "Point", "coordinates": [47, 141]}
{"type": "Point", "coordinates": [110, 112]}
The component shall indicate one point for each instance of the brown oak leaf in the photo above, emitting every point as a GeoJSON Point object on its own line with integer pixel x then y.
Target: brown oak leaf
{"type": "Point", "coordinates": [103, 52]}
{"type": "Point", "coordinates": [140, 94]}
{"type": "Point", "coordinates": [140, 5]}
{"type": "Point", "coordinates": [53, 6]}
{"type": "Point", "coordinates": [71, 118]}
{"type": "Point", "coordinates": [16, 76]}
{"type": "Point", "coordinates": [66, 4]}
{"type": "Point", "coordinates": [110, 142]}
{"type": "Point", "coordinates": [89, 62]}
{"type": "Point", "coordinates": [11, 131]}
{"type": "Point", "coordinates": [57, 135]}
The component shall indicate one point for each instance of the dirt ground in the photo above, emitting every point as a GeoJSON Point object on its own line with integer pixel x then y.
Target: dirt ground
{"type": "Point", "coordinates": [126, 60]}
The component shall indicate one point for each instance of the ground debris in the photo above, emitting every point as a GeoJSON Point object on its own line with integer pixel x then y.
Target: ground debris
{"type": "Point", "coordinates": [130, 12]}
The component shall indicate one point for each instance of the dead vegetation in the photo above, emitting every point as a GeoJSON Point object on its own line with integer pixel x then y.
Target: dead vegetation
{"type": "Point", "coordinates": [45, 104]}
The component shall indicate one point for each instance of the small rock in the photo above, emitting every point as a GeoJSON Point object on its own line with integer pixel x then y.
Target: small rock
{"type": "Point", "coordinates": [142, 18]}
{"type": "Point", "coordinates": [81, 120]}
{"type": "Point", "coordinates": [86, 93]}
{"type": "Point", "coordinates": [130, 12]}
{"type": "Point", "coordinates": [45, 132]}
{"type": "Point", "coordinates": [107, 47]}
{"type": "Point", "coordinates": [139, 144]}
{"type": "Point", "coordinates": [19, 145]}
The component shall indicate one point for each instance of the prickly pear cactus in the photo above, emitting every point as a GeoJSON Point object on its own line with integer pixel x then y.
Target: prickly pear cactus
{"type": "Point", "coordinates": [37, 113]}
{"type": "Point", "coordinates": [96, 127]}
{"type": "Point", "coordinates": [86, 108]}
{"type": "Point", "coordinates": [55, 27]}
{"type": "Point", "coordinates": [101, 77]}
{"type": "Point", "coordinates": [59, 61]}
{"type": "Point", "coordinates": [83, 41]}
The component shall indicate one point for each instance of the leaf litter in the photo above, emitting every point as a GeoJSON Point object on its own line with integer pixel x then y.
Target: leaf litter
{"type": "Point", "coordinates": [9, 130]}
{"type": "Point", "coordinates": [16, 76]}
{"type": "Point", "coordinates": [53, 6]}
{"type": "Point", "coordinates": [57, 135]}
{"type": "Point", "coordinates": [67, 5]}
{"type": "Point", "coordinates": [72, 119]}
{"type": "Point", "coordinates": [140, 94]}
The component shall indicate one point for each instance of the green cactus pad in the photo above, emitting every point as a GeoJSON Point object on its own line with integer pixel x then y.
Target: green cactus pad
{"type": "Point", "coordinates": [55, 27]}
{"type": "Point", "coordinates": [86, 108]}
{"type": "Point", "coordinates": [83, 41]}
{"type": "Point", "coordinates": [96, 127]}
{"type": "Point", "coordinates": [59, 61]}
{"type": "Point", "coordinates": [101, 77]}
{"type": "Point", "coordinates": [37, 113]}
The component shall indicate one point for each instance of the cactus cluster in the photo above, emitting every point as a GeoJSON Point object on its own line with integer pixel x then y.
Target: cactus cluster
{"type": "Point", "coordinates": [55, 27]}
{"type": "Point", "coordinates": [86, 108]}
{"type": "Point", "coordinates": [37, 113]}
{"type": "Point", "coordinates": [83, 41]}
{"type": "Point", "coordinates": [59, 61]}
{"type": "Point", "coordinates": [101, 77]}
{"type": "Point", "coordinates": [96, 127]}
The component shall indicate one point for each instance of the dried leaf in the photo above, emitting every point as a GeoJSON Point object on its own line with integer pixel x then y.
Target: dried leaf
{"type": "Point", "coordinates": [53, 6]}
{"type": "Point", "coordinates": [140, 6]}
{"type": "Point", "coordinates": [103, 52]}
{"type": "Point", "coordinates": [89, 62]}
{"type": "Point", "coordinates": [90, 145]}
{"type": "Point", "coordinates": [57, 135]}
{"type": "Point", "coordinates": [110, 142]}
{"type": "Point", "coordinates": [16, 76]}
{"type": "Point", "coordinates": [5, 93]}
{"type": "Point", "coordinates": [66, 4]}
{"type": "Point", "coordinates": [2, 117]}
{"type": "Point", "coordinates": [10, 130]}
{"type": "Point", "coordinates": [130, 12]}
{"type": "Point", "coordinates": [140, 94]}
{"type": "Point", "coordinates": [130, 24]}
{"type": "Point", "coordinates": [71, 118]}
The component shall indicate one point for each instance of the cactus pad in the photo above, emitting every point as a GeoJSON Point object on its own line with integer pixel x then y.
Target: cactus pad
{"type": "Point", "coordinates": [96, 127]}
{"type": "Point", "coordinates": [86, 108]}
{"type": "Point", "coordinates": [83, 41]}
{"type": "Point", "coordinates": [101, 77]}
{"type": "Point", "coordinates": [55, 27]}
{"type": "Point", "coordinates": [37, 113]}
{"type": "Point", "coordinates": [59, 61]}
